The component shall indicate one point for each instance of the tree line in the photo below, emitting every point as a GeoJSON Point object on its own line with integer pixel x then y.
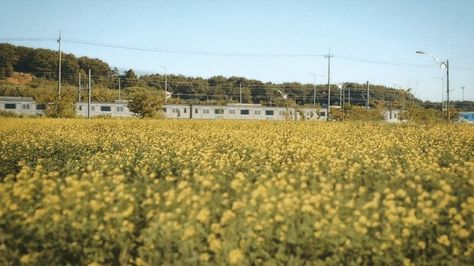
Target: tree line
{"type": "Point", "coordinates": [43, 63]}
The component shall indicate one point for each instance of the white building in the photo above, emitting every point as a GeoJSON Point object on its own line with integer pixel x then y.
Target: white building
{"type": "Point", "coordinates": [392, 115]}
{"type": "Point", "coordinates": [21, 105]}
{"type": "Point", "coordinates": [27, 106]}
{"type": "Point", "coordinates": [240, 111]}
{"type": "Point", "coordinates": [115, 109]}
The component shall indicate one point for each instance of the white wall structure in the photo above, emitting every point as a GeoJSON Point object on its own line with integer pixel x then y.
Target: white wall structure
{"type": "Point", "coordinates": [241, 112]}
{"type": "Point", "coordinates": [27, 106]}
{"type": "Point", "coordinates": [21, 105]}
{"type": "Point", "coordinates": [392, 115]}
{"type": "Point", "coordinates": [115, 109]}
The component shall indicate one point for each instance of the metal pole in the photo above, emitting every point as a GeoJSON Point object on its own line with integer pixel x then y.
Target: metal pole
{"type": "Point", "coordinates": [447, 89]}
{"type": "Point", "coordinates": [340, 96]}
{"type": "Point", "coordinates": [166, 85]}
{"type": "Point", "coordinates": [59, 67]}
{"type": "Point", "coordinates": [79, 88]}
{"type": "Point", "coordinates": [442, 97]}
{"type": "Point", "coordinates": [314, 91]}
{"type": "Point", "coordinates": [120, 88]}
{"type": "Point", "coordinates": [349, 95]}
{"type": "Point", "coordinates": [90, 95]}
{"type": "Point", "coordinates": [368, 95]}
{"type": "Point", "coordinates": [240, 92]}
{"type": "Point", "coordinates": [329, 85]}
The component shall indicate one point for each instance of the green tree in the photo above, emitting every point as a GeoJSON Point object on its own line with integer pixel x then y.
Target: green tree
{"type": "Point", "coordinates": [130, 79]}
{"type": "Point", "coordinates": [7, 60]}
{"type": "Point", "coordinates": [145, 103]}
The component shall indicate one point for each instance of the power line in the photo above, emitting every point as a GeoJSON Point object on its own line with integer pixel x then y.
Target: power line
{"type": "Point", "coordinates": [26, 39]}
{"type": "Point", "coordinates": [187, 52]}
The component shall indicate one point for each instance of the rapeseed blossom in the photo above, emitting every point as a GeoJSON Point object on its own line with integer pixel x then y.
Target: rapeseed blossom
{"type": "Point", "coordinates": [229, 192]}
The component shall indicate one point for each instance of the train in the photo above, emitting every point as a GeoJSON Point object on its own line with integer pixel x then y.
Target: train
{"type": "Point", "coordinates": [235, 111]}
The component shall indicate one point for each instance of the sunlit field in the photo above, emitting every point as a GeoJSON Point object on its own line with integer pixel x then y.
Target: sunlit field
{"type": "Point", "coordinates": [234, 192]}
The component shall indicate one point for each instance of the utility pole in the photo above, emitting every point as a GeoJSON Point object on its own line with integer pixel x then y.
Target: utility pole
{"type": "Point", "coordinates": [166, 83]}
{"type": "Point", "coordinates": [240, 92]}
{"type": "Point", "coordinates": [368, 96]}
{"type": "Point", "coordinates": [79, 88]}
{"type": "Point", "coordinates": [462, 88]}
{"type": "Point", "coordinates": [90, 95]}
{"type": "Point", "coordinates": [120, 88]}
{"type": "Point", "coordinates": [349, 95]}
{"type": "Point", "coordinates": [59, 66]}
{"type": "Point", "coordinates": [341, 94]}
{"type": "Point", "coordinates": [329, 84]}
{"type": "Point", "coordinates": [447, 89]}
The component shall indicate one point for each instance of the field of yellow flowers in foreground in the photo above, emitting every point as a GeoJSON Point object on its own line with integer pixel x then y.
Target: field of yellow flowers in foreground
{"type": "Point", "coordinates": [228, 192]}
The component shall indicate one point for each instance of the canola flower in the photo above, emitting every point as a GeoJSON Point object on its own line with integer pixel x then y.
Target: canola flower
{"type": "Point", "coordinates": [233, 192]}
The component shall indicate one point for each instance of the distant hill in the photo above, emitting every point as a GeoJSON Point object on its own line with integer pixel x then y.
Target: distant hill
{"type": "Point", "coordinates": [43, 64]}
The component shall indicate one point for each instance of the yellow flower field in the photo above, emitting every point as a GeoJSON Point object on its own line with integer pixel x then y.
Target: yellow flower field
{"type": "Point", "coordinates": [78, 192]}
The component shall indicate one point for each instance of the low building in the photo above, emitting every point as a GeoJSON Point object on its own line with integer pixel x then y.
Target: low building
{"type": "Point", "coordinates": [392, 115]}
{"type": "Point", "coordinates": [115, 109]}
{"type": "Point", "coordinates": [21, 105]}
{"type": "Point", "coordinates": [240, 111]}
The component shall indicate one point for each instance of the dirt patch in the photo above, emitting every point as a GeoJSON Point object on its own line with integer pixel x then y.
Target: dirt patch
{"type": "Point", "coordinates": [20, 78]}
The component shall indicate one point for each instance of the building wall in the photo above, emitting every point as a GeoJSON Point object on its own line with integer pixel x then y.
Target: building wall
{"type": "Point", "coordinates": [251, 112]}
{"type": "Point", "coordinates": [24, 105]}
{"type": "Point", "coordinates": [392, 116]}
{"type": "Point", "coordinates": [98, 109]}
{"type": "Point", "coordinates": [20, 105]}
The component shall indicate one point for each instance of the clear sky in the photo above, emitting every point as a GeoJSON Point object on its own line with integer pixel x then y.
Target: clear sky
{"type": "Point", "coordinates": [380, 30]}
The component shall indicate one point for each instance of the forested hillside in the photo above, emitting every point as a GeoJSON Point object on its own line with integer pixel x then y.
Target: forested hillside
{"type": "Point", "coordinates": [43, 63]}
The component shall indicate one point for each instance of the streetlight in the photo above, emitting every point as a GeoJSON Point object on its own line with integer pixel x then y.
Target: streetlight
{"type": "Point", "coordinates": [314, 86]}
{"type": "Point", "coordinates": [166, 83]}
{"type": "Point", "coordinates": [443, 65]}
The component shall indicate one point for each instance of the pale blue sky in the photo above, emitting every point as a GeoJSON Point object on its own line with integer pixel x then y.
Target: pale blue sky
{"type": "Point", "coordinates": [388, 31]}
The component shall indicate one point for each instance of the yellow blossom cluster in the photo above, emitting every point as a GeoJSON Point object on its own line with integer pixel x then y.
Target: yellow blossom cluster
{"type": "Point", "coordinates": [153, 192]}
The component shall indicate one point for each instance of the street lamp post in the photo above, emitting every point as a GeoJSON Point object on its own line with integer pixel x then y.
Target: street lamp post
{"type": "Point", "coordinates": [444, 65]}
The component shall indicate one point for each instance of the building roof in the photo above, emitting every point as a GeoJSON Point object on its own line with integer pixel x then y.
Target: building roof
{"type": "Point", "coordinates": [16, 99]}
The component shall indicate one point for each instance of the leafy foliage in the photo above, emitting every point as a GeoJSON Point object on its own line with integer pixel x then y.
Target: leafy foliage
{"type": "Point", "coordinates": [145, 103]}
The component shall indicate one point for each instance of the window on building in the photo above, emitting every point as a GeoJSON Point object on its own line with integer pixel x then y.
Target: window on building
{"type": "Point", "coordinates": [282, 113]}
{"type": "Point", "coordinates": [185, 110]}
{"type": "Point", "coordinates": [219, 111]}
{"type": "Point", "coordinates": [195, 110]}
{"type": "Point", "coordinates": [205, 111]}
{"type": "Point", "coordinates": [105, 108]}
{"type": "Point", "coordinates": [40, 107]}
{"type": "Point", "coordinates": [26, 106]}
{"type": "Point", "coordinates": [322, 113]}
{"type": "Point", "coordinates": [257, 112]}
{"type": "Point", "coordinates": [120, 109]}
{"type": "Point", "coordinates": [10, 106]}
{"type": "Point", "coordinates": [268, 112]}
{"type": "Point", "coordinates": [164, 109]}
{"type": "Point", "coordinates": [79, 108]}
{"type": "Point", "coordinates": [232, 112]}
{"type": "Point", "coordinates": [92, 108]}
{"type": "Point", "coordinates": [244, 112]}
